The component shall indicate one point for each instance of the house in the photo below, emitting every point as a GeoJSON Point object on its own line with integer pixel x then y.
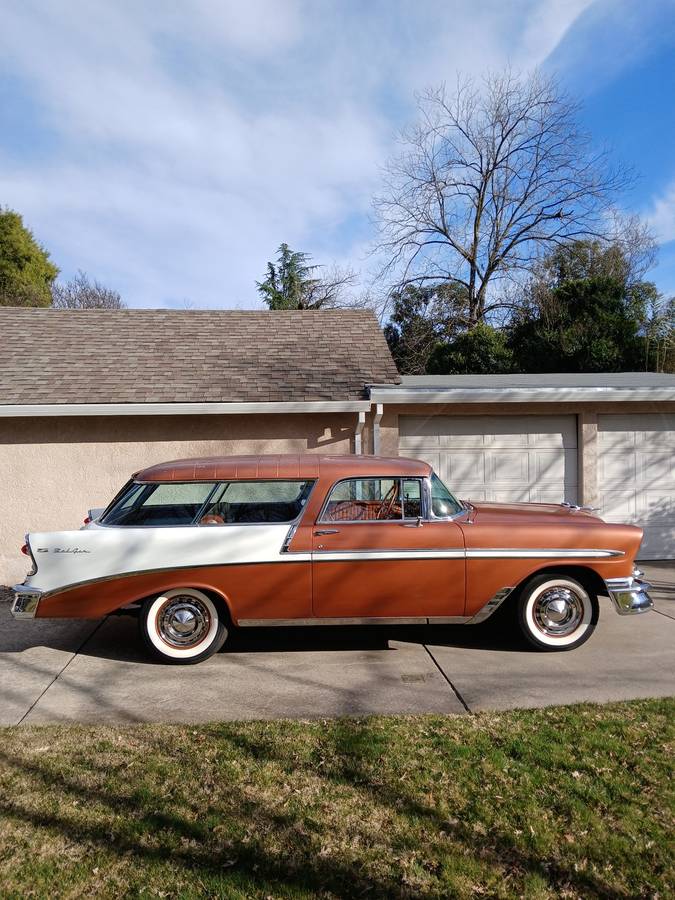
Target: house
{"type": "Point", "coordinates": [88, 397]}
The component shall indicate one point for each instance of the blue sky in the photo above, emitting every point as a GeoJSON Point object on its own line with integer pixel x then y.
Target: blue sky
{"type": "Point", "coordinates": [168, 149]}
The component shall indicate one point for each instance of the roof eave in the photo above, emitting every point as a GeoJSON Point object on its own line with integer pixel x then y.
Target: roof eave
{"type": "Point", "coordinates": [182, 409]}
{"type": "Point", "coordinates": [382, 393]}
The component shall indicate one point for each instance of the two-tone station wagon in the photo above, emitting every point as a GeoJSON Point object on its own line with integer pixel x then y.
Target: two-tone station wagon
{"type": "Point", "coordinates": [197, 547]}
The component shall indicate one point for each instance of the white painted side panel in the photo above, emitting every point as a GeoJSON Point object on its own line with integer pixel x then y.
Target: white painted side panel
{"type": "Point", "coordinates": [636, 477]}
{"type": "Point", "coordinates": [104, 552]}
{"type": "Point", "coordinates": [530, 459]}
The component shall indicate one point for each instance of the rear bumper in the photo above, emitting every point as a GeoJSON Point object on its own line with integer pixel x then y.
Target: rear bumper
{"type": "Point", "coordinates": [26, 601]}
{"type": "Point", "coordinates": [629, 595]}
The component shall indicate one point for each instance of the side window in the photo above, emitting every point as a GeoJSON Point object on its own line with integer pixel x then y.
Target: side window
{"type": "Point", "coordinates": [373, 499]}
{"type": "Point", "coordinates": [171, 503]}
{"type": "Point", "coordinates": [246, 502]}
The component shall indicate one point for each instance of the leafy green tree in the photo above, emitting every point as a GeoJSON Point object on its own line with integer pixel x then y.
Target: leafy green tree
{"type": "Point", "coordinates": [292, 283]}
{"type": "Point", "coordinates": [423, 317]}
{"type": "Point", "coordinates": [481, 350]}
{"type": "Point", "coordinates": [586, 309]}
{"type": "Point", "coordinates": [584, 325]}
{"type": "Point", "coordinates": [289, 281]}
{"type": "Point", "coordinates": [26, 272]}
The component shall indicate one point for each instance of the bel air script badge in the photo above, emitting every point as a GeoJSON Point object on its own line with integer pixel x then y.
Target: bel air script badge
{"type": "Point", "coordinates": [62, 550]}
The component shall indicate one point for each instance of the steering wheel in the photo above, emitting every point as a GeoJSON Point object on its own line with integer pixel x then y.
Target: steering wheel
{"type": "Point", "coordinates": [384, 511]}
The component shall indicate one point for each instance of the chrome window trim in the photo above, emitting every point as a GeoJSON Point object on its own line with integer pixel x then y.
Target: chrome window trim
{"type": "Point", "coordinates": [322, 521]}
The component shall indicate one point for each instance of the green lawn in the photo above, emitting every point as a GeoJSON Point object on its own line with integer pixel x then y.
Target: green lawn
{"type": "Point", "coordinates": [568, 801]}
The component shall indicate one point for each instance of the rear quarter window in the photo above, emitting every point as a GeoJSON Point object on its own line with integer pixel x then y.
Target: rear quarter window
{"type": "Point", "coordinates": [159, 504]}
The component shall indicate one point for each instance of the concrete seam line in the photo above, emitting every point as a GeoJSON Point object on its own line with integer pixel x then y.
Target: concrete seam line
{"type": "Point", "coordinates": [61, 671]}
{"type": "Point", "coordinates": [452, 687]}
{"type": "Point", "coordinates": [661, 613]}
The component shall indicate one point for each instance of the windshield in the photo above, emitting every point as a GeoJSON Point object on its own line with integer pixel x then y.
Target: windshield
{"type": "Point", "coordinates": [443, 503]}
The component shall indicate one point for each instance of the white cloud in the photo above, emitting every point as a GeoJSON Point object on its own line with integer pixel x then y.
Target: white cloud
{"type": "Point", "coordinates": [186, 141]}
{"type": "Point", "coordinates": [661, 215]}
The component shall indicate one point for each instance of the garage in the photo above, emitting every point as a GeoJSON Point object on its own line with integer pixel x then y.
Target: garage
{"type": "Point", "coordinates": [636, 477]}
{"type": "Point", "coordinates": [517, 458]}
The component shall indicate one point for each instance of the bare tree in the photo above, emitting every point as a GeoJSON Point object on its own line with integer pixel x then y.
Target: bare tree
{"type": "Point", "coordinates": [82, 293]}
{"type": "Point", "coordinates": [488, 178]}
{"type": "Point", "coordinates": [332, 289]}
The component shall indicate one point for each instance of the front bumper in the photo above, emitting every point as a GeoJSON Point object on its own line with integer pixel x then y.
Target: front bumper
{"type": "Point", "coordinates": [26, 601]}
{"type": "Point", "coordinates": [629, 595]}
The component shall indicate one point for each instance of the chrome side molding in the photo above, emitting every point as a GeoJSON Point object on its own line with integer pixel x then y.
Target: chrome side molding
{"type": "Point", "coordinates": [491, 606]}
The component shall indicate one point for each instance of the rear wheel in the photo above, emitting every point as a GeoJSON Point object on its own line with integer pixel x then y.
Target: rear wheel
{"type": "Point", "coordinates": [182, 626]}
{"type": "Point", "coordinates": [556, 612]}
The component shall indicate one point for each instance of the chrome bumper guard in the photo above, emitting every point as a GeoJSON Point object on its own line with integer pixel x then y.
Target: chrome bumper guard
{"type": "Point", "coordinates": [26, 601]}
{"type": "Point", "coordinates": [629, 595]}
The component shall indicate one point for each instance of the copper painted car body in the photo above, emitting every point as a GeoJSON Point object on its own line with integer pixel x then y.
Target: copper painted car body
{"type": "Point", "coordinates": [313, 539]}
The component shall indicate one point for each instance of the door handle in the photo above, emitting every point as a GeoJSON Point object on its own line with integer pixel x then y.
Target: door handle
{"type": "Point", "coordinates": [327, 531]}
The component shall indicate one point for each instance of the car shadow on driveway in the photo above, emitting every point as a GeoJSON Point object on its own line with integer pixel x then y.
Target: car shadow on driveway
{"type": "Point", "coordinates": [117, 638]}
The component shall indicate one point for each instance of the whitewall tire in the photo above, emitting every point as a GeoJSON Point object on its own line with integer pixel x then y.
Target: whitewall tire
{"type": "Point", "coordinates": [182, 626]}
{"type": "Point", "coordinates": [556, 612]}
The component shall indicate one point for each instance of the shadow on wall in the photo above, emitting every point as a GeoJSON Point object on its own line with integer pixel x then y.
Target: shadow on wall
{"type": "Point", "coordinates": [263, 432]}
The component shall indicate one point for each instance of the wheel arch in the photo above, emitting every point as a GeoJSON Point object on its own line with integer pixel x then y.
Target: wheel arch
{"type": "Point", "coordinates": [585, 575]}
{"type": "Point", "coordinates": [220, 599]}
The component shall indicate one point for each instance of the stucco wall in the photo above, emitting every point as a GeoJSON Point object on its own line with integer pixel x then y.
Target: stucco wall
{"type": "Point", "coordinates": [52, 470]}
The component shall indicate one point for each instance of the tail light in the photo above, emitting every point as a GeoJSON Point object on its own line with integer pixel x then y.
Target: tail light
{"type": "Point", "coordinates": [28, 552]}
{"type": "Point", "coordinates": [87, 520]}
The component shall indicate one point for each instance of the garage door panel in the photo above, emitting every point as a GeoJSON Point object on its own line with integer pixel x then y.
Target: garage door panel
{"type": "Point", "coordinates": [655, 469]}
{"type": "Point", "coordinates": [548, 464]}
{"type": "Point", "coordinates": [618, 506]}
{"type": "Point", "coordinates": [505, 466]}
{"type": "Point", "coordinates": [476, 493]}
{"type": "Point", "coordinates": [616, 442]}
{"type": "Point", "coordinates": [435, 460]}
{"type": "Point", "coordinates": [615, 468]}
{"type": "Point", "coordinates": [504, 494]}
{"type": "Point", "coordinates": [466, 467]}
{"type": "Point", "coordinates": [638, 452]}
{"type": "Point", "coordinates": [655, 508]}
{"type": "Point", "coordinates": [465, 441]}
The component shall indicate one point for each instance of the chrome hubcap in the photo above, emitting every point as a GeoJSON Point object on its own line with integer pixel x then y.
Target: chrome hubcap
{"type": "Point", "coordinates": [558, 611]}
{"type": "Point", "coordinates": [183, 621]}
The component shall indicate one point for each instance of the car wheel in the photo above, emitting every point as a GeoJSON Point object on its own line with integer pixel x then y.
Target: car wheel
{"type": "Point", "coordinates": [555, 612]}
{"type": "Point", "coordinates": [182, 626]}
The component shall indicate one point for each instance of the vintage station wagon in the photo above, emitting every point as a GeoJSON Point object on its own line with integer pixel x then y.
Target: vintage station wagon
{"type": "Point", "coordinates": [199, 546]}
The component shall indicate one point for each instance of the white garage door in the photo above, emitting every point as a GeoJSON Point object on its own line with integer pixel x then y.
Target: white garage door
{"type": "Point", "coordinates": [636, 477]}
{"type": "Point", "coordinates": [530, 459]}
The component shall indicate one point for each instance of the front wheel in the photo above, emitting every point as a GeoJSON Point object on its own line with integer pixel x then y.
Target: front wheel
{"type": "Point", "coordinates": [182, 626]}
{"type": "Point", "coordinates": [556, 613]}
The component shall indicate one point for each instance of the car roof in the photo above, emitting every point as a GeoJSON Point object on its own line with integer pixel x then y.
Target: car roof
{"type": "Point", "coordinates": [307, 465]}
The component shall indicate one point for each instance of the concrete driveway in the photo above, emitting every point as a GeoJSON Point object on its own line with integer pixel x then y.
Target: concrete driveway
{"type": "Point", "coordinates": [76, 671]}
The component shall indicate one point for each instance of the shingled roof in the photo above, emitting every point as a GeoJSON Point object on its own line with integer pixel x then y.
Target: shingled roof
{"type": "Point", "coordinates": [166, 356]}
